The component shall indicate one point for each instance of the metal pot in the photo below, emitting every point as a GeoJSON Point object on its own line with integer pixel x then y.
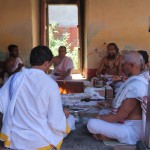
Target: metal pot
{"type": "Point", "coordinates": [76, 113]}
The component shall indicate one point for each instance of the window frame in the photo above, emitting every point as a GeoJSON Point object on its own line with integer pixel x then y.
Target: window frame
{"type": "Point", "coordinates": [44, 25]}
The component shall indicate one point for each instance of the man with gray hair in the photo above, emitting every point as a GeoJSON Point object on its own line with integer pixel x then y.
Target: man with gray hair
{"type": "Point", "coordinates": [124, 121]}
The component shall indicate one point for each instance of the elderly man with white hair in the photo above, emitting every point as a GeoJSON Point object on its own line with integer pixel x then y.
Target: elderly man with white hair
{"type": "Point", "coordinates": [124, 121]}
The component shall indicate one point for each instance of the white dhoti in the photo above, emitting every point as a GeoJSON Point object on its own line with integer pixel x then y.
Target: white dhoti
{"type": "Point", "coordinates": [65, 65]}
{"type": "Point", "coordinates": [129, 132]}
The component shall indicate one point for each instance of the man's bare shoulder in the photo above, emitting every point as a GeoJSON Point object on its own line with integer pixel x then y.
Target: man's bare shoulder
{"type": "Point", "coordinates": [10, 60]}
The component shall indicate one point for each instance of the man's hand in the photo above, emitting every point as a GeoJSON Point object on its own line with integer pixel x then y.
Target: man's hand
{"type": "Point", "coordinates": [60, 72]}
{"type": "Point", "coordinates": [116, 78]}
{"type": "Point", "coordinates": [60, 78]}
{"type": "Point", "coordinates": [67, 113]}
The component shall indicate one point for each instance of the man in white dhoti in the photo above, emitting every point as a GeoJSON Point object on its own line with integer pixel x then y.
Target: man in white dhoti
{"type": "Point", "coordinates": [33, 117]}
{"type": "Point", "coordinates": [62, 65]}
{"type": "Point", "coordinates": [124, 122]}
{"type": "Point", "coordinates": [13, 64]}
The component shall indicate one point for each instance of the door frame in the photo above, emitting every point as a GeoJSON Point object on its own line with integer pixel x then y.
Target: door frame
{"type": "Point", "coordinates": [44, 26]}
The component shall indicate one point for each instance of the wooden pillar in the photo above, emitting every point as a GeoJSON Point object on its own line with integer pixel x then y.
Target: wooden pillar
{"type": "Point", "coordinates": [43, 22]}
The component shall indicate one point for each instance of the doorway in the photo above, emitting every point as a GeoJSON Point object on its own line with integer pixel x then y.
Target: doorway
{"type": "Point", "coordinates": [63, 29]}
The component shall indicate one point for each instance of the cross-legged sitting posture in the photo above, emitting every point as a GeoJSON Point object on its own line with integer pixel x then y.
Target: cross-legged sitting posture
{"type": "Point", "coordinates": [124, 121]}
{"type": "Point", "coordinates": [62, 65]}
{"type": "Point", "coordinates": [33, 116]}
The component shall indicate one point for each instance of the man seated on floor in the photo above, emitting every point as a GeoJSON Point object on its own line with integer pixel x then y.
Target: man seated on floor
{"type": "Point", "coordinates": [124, 121]}
{"type": "Point", "coordinates": [62, 65]}
{"type": "Point", "coordinates": [110, 64]}
{"type": "Point", "coordinates": [33, 117]}
{"type": "Point", "coordinates": [13, 64]}
{"type": "Point", "coordinates": [144, 69]}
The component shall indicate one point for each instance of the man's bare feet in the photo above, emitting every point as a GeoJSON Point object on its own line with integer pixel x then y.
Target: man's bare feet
{"type": "Point", "coordinates": [95, 136]}
{"type": "Point", "coordinates": [101, 137]}
{"type": "Point", "coordinates": [104, 138]}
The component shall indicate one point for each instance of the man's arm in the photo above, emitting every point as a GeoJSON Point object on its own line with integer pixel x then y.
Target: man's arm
{"type": "Point", "coordinates": [100, 67]}
{"type": "Point", "coordinates": [65, 74]}
{"type": "Point", "coordinates": [123, 112]}
{"type": "Point", "coordinates": [18, 69]}
{"type": "Point", "coordinates": [9, 64]}
{"type": "Point", "coordinates": [119, 65]}
{"type": "Point", "coordinates": [56, 115]}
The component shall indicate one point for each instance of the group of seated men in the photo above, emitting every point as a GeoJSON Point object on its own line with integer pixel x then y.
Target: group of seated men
{"type": "Point", "coordinates": [123, 119]}
{"type": "Point", "coordinates": [33, 116]}
{"type": "Point", "coordinates": [62, 64]}
{"type": "Point", "coordinates": [111, 64]}
{"type": "Point", "coordinates": [30, 101]}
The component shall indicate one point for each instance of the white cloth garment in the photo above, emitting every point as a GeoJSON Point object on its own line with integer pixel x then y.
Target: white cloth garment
{"type": "Point", "coordinates": [131, 130]}
{"type": "Point", "coordinates": [33, 113]}
{"type": "Point", "coordinates": [18, 61]}
{"type": "Point", "coordinates": [65, 64]}
{"type": "Point", "coordinates": [145, 74]}
{"type": "Point", "coordinates": [134, 87]}
{"type": "Point", "coordinates": [143, 101]}
{"type": "Point", "coordinates": [128, 132]}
